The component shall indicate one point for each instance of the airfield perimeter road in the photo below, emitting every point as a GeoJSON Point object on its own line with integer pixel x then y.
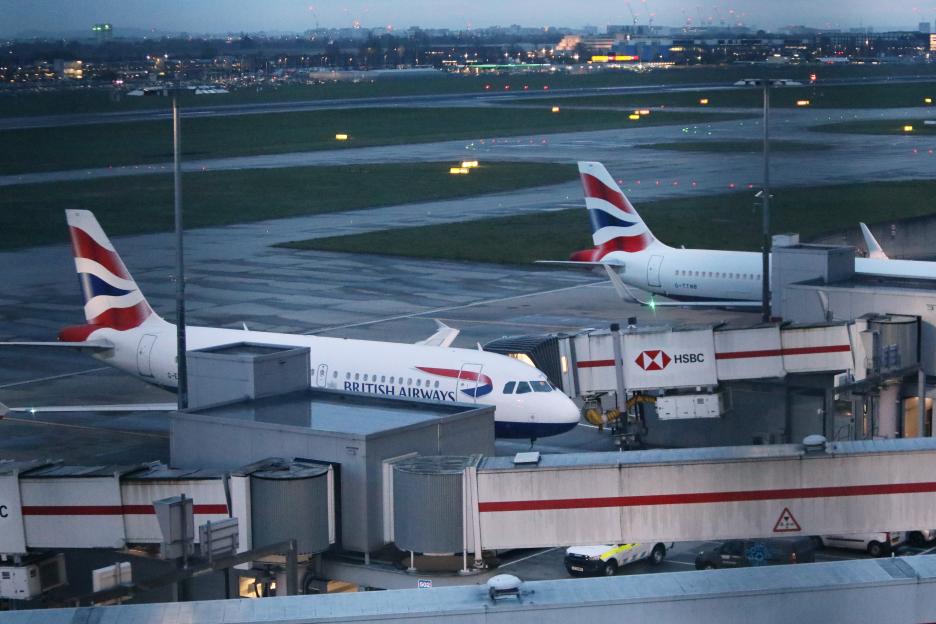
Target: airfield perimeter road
{"type": "Point", "coordinates": [436, 99]}
{"type": "Point", "coordinates": [662, 173]}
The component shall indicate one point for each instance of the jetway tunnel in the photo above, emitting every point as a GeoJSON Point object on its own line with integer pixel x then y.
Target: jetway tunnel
{"type": "Point", "coordinates": [695, 494]}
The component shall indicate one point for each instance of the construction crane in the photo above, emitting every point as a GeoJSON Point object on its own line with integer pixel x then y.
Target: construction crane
{"type": "Point", "coordinates": [633, 15]}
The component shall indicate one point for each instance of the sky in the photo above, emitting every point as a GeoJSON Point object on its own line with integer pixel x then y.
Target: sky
{"type": "Point", "coordinates": [223, 16]}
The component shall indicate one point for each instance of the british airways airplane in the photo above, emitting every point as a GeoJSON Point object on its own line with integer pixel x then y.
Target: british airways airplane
{"type": "Point", "coordinates": [632, 256]}
{"type": "Point", "coordinates": [123, 331]}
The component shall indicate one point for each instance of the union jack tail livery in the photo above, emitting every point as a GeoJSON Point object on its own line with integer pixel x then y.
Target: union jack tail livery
{"type": "Point", "coordinates": [616, 226]}
{"type": "Point", "coordinates": [112, 299]}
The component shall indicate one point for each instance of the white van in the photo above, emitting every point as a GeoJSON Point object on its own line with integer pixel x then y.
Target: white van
{"type": "Point", "coordinates": [606, 559]}
{"type": "Point", "coordinates": [875, 544]}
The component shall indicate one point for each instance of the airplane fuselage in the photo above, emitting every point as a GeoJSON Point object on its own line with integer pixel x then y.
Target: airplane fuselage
{"type": "Point", "coordinates": [441, 374]}
{"type": "Point", "coordinates": [708, 274]}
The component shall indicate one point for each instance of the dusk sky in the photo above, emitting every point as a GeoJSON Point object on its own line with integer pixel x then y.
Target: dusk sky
{"type": "Point", "coordinates": [212, 16]}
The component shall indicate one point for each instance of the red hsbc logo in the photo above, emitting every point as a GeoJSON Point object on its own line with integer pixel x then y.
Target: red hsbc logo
{"type": "Point", "coordinates": [653, 360]}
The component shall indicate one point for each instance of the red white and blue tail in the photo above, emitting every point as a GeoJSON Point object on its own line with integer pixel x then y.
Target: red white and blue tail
{"type": "Point", "coordinates": [112, 298]}
{"type": "Point", "coordinates": [616, 226]}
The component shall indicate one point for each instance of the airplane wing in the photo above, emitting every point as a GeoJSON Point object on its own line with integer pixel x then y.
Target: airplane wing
{"type": "Point", "coordinates": [874, 248]}
{"type": "Point", "coordinates": [116, 407]}
{"type": "Point", "coordinates": [443, 337]}
{"type": "Point", "coordinates": [574, 263]}
{"type": "Point", "coordinates": [93, 345]}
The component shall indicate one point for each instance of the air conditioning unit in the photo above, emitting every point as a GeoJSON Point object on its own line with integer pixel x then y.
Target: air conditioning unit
{"type": "Point", "coordinates": [32, 577]}
{"type": "Point", "coordinates": [689, 406]}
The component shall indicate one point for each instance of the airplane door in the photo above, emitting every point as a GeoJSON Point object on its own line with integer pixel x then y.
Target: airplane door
{"type": "Point", "coordinates": [144, 350]}
{"type": "Point", "coordinates": [321, 375]}
{"type": "Point", "coordinates": [653, 270]}
{"type": "Point", "coordinates": [468, 378]}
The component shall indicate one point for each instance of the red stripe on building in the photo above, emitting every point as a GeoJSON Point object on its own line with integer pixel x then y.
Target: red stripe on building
{"type": "Point", "coordinates": [594, 363]}
{"type": "Point", "coordinates": [734, 355]}
{"type": "Point", "coordinates": [710, 497]}
{"type": "Point", "coordinates": [111, 510]}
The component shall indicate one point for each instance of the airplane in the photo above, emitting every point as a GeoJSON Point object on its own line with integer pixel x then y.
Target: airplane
{"type": "Point", "coordinates": [633, 257]}
{"type": "Point", "coordinates": [123, 331]}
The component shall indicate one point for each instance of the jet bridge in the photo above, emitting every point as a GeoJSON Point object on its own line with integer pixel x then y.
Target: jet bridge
{"type": "Point", "coordinates": [693, 494]}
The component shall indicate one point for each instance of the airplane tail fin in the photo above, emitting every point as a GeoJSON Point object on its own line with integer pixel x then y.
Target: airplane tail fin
{"type": "Point", "coordinates": [874, 248]}
{"type": "Point", "coordinates": [616, 226]}
{"type": "Point", "coordinates": [112, 298]}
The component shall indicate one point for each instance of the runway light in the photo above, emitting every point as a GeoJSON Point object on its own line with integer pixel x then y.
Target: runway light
{"type": "Point", "coordinates": [643, 111]}
{"type": "Point", "coordinates": [459, 170]}
{"type": "Point", "coordinates": [802, 102]}
{"type": "Point", "coordinates": [634, 117]}
{"type": "Point", "coordinates": [908, 128]}
{"type": "Point", "coordinates": [555, 109]}
{"type": "Point", "coordinates": [928, 100]}
{"type": "Point", "coordinates": [341, 137]}
{"type": "Point", "coordinates": [703, 101]}
{"type": "Point", "coordinates": [469, 164]}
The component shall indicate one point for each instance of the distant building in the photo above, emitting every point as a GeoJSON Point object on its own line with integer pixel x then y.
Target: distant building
{"type": "Point", "coordinates": [924, 27]}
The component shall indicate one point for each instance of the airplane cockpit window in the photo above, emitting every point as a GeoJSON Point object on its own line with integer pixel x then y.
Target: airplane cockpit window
{"type": "Point", "coordinates": [523, 387]}
{"type": "Point", "coordinates": [509, 387]}
{"type": "Point", "coordinates": [541, 386]}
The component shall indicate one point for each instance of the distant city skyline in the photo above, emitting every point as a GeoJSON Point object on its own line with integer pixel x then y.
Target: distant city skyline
{"type": "Point", "coordinates": [204, 16]}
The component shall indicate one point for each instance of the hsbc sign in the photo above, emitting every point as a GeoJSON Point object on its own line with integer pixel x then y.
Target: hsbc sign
{"type": "Point", "coordinates": [657, 359]}
{"type": "Point", "coordinates": [667, 359]}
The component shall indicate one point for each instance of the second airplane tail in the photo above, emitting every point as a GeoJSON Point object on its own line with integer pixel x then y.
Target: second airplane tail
{"type": "Point", "coordinates": [616, 226]}
{"type": "Point", "coordinates": [112, 297]}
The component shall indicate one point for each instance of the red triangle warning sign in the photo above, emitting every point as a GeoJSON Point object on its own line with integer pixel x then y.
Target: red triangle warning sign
{"type": "Point", "coordinates": [786, 523]}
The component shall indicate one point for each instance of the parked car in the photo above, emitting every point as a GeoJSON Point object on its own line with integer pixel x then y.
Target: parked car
{"type": "Point", "coordinates": [875, 544]}
{"type": "Point", "coordinates": [607, 559]}
{"type": "Point", "coordinates": [740, 553]}
{"type": "Point", "coordinates": [921, 537]}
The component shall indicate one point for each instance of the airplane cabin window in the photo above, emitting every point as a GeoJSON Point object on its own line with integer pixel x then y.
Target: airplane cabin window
{"type": "Point", "coordinates": [435, 385]}
{"type": "Point", "coordinates": [365, 376]}
{"type": "Point", "coordinates": [419, 382]}
{"type": "Point", "coordinates": [357, 376]}
{"type": "Point", "coordinates": [347, 375]}
{"type": "Point", "coordinates": [335, 375]}
{"type": "Point", "coordinates": [409, 381]}
{"type": "Point", "coordinates": [383, 378]}
{"type": "Point", "coordinates": [509, 387]}
{"type": "Point", "coordinates": [541, 386]}
{"type": "Point", "coordinates": [523, 387]}
{"type": "Point", "coordinates": [391, 380]}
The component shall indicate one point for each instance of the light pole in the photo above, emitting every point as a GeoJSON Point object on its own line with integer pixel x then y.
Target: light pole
{"type": "Point", "coordinates": [765, 199]}
{"type": "Point", "coordinates": [181, 365]}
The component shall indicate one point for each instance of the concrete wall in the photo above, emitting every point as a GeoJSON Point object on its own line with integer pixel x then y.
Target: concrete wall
{"type": "Point", "coordinates": [898, 591]}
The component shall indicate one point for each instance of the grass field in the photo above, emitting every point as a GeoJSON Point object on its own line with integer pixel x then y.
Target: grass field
{"type": "Point", "coordinates": [819, 95]}
{"type": "Point", "coordinates": [100, 100]}
{"type": "Point", "coordinates": [735, 146]}
{"type": "Point", "coordinates": [716, 222]}
{"type": "Point", "coordinates": [104, 145]}
{"type": "Point", "coordinates": [32, 214]}
{"type": "Point", "coordinates": [881, 126]}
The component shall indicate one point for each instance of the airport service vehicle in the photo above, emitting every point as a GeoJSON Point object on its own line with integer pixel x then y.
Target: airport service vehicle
{"type": "Point", "coordinates": [605, 559]}
{"type": "Point", "coordinates": [740, 553]}
{"type": "Point", "coordinates": [123, 331]}
{"type": "Point", "coordinates": [921, 537]}
{"type": "Point", "coordinates": [875, 544]}
{"type": "Point", "coordinates": [633, 257]}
